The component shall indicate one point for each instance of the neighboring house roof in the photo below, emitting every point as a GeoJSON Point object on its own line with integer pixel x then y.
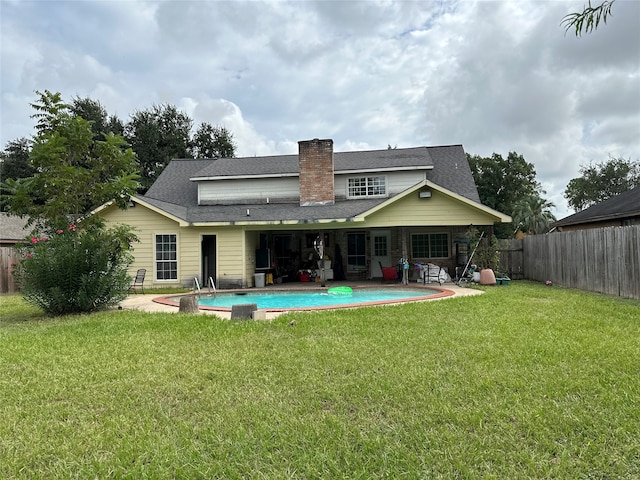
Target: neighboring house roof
{"type": "Point", "coordinates": [624, 205]}
{"type": "Point", "coordinates": [12, 228]}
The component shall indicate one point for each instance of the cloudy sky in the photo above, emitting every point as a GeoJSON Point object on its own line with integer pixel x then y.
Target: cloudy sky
{"type": "Point", "coordinates": [494, 76]}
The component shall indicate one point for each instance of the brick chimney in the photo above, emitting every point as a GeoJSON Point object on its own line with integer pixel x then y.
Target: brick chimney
{"type": "Point", "coordinates": [316, 172]}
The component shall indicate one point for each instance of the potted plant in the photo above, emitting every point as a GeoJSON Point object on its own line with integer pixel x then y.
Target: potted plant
{"type": "Point", "coordinates": [486, 256]}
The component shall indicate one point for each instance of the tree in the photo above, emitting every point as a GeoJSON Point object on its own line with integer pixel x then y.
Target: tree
{"type": "Point", "coordinates": [602, 181]}
{"type": "Point", "coordinates": [72, 263]}
{"type": "Point", "coordinates": [157, 136]}
{"type": "Point", "coordinates": [213, 142]}
{"type": "Point", "coordinates": [502, 183]}
{"type": "Point", "coordinates": [15, 162]}
{"type": "Point", "coordinates": [532, 215]}
{"type": "Point", "coordinates": [589, 19]}
{"type": "Point", "coordinates": [93, 111]}
{"type": "Point", "coordinates": [50, 110]}
{"type": "Point", "coordinates": [73, 173]}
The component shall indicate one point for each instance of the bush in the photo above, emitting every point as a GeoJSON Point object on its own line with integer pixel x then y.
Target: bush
{"type": "Point", "coordinates": [76, 270]}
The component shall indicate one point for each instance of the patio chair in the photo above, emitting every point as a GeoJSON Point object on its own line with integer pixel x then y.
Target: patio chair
{"type": "Point", "coordinates": [388, 273]}
{"type": "Point", "coordinates": [139, 280]}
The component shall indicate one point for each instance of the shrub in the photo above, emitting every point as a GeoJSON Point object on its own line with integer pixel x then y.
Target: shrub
{"type": "Point", "coordinates": [76, 270]}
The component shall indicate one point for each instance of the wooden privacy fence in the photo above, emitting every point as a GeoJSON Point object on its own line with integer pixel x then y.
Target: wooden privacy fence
{"type": "Point", "coordinates": [511, 261]}
{"type": "Point", "coordinates": [604, 260]}
{"type": "Point", "coordinates": [7, 282]}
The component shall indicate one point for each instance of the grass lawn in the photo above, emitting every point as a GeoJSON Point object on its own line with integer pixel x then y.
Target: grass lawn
{"type": "Point", "coordinates": [525, 381]}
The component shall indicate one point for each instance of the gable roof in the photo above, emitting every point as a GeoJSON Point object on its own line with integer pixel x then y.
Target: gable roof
{"type": "Point", "coordinates": [174, 184]}
{"type": "Point", "coordinates": [624, 205]}
{"type": "Point", "coordinates": [294, 213]}
{"type": "Point", "coordinates": [451, 170]}
{"type": "Point", "coordinates": [175, 192]}
{"type": "Point", "coordinates": [446, 166]}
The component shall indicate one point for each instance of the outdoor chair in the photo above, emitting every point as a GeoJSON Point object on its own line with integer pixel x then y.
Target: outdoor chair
{"type": "Point", "coordinates": [139, 280]}
{"type": "Point", "coordinates": [388, 273]}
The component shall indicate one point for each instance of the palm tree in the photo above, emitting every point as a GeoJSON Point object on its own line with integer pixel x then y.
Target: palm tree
{"type": "Point", "coordinates": [532, 214]}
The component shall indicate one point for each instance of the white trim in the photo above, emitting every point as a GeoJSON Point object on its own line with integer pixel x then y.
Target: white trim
{"type": "Point", "coordinates": [501, 217]}
{"type": "Point", "coordinates": [382, 169]}
{"type": "Point", "coordinates": [367, 179]}
{"type": "Point", "coordinates": [155, 259]}
{"type": "Point", "coordinates": [243, 177]}
{"type": "Point", "coordinates": [145, 204]}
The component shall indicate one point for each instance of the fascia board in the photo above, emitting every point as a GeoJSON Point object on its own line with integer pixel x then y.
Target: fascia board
{"type": "Point", "coordinates": [244, 177]}
{"type": "Point", "coordinates": [426, 183]}
{"type": "Point", "coordinates": [382, 169]}
{"type": "Point", "coordinates": [153, 208]}
{"type": "Point", "coordinates": [275, 222]}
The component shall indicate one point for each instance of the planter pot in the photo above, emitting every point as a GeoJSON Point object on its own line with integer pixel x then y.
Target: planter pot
{"type": "Point", "coordinates": [476, 277]}
{"type": "Point", "coordinates": [487, 277]}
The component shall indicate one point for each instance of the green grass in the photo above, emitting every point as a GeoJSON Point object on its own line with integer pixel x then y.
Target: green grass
{"type": "Point", "coordinates": [524, 381]}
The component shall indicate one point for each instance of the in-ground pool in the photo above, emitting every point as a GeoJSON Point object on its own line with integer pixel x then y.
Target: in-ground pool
{"type": "Point", "coordinates": [310, 299]}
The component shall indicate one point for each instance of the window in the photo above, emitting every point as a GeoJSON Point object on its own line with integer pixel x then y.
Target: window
{"type": "Point", "coordinates": [380, 248]}
{"type": "Point", "coordinates": [367, 187]}
{"type": "Point", "coordinates": [166, 257]}
{"type": "Point", "coordinates": [430, 245]}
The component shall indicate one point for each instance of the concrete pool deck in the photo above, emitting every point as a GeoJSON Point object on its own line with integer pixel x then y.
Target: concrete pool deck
{"type": "Point", "coordinates": [145, 302]}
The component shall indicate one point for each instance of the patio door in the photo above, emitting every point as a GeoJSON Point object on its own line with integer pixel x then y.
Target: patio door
{"type": "Point", "coordinates": [356, 253]}
{"type": "Point", "coordinates": [208, 249]}
{"type": "Point", "coordinates": [380, 251]}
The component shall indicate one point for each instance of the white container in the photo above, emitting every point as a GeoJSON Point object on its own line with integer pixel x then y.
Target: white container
{"type": "Point", "coordinates": [327, 264]}
{"type": "Point", "coordinates": [259, 280]}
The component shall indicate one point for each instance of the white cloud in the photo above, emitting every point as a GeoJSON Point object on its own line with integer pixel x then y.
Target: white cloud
{"type": "Point", "coordinates": [494, 76]}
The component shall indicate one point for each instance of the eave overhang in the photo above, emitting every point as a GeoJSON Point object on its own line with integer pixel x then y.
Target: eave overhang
{"type": "Point", "coordinates": [153, 208]}
{"type": "Point", "coordinates": [500, 217]}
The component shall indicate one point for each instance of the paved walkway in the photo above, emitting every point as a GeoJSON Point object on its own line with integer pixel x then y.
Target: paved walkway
{"type": "Point", "coordinates": [145, 302]}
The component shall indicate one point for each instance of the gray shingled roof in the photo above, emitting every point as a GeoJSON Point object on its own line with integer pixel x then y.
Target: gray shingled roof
{"type": "Point", "coordinates": [626, 204]}
{"type": "Point", "coordinates": [343, 161]}
{"type": "Point", "coordinates": [12, 228]}
{"type": "Point", "coordinates": [451, 170]}
{"type": "Point", "coordinates": [176, 194]}
{"type": "Point", "coordinates": [173, 184]}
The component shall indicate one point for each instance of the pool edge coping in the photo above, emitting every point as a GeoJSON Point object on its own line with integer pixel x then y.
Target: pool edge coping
{"type": "Point", "coordinates": [443, 293]}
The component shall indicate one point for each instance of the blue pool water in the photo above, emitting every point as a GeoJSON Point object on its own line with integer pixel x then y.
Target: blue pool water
{"type": "Point", "coordinates": [279, 300]}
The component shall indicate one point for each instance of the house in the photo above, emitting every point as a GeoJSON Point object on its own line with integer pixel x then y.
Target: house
{"type": "Point", "coordinates": [12, 230]}
{"type": "Point", "coordinates": [231, 219]}
{"type": "Point", "coordinates": [621, 210]}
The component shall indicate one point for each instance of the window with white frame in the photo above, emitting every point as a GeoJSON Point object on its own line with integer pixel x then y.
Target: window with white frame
{"type": "Point", "coordinates": [166, 257]}
{"type": "Point", "coordinates": [430, 245]}
{"type": "Point", "coordinates": [367, 187]}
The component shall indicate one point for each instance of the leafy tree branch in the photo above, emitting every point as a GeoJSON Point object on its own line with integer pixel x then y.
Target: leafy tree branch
{"type": "Point", "coordinates": [589, 19]}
